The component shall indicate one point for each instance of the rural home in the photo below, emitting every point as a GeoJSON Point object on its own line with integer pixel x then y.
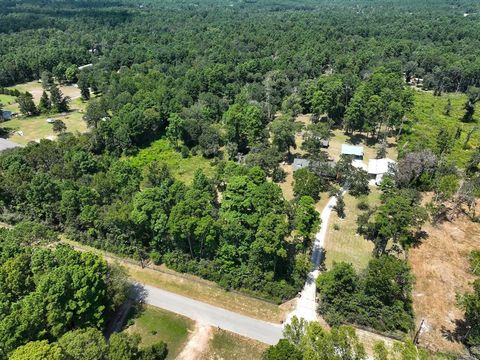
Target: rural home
{"type": "Point", "coordinates": [379, 167]}
{"type": "Point", "coordinates": [300, 164]}
{"type": "Point", "coordinates": [355, 151]}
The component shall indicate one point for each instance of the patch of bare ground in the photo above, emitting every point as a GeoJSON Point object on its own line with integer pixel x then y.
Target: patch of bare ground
{"type": "Point", "coordinates": [441, 268]}
{"type": "Point", "coordinates": [197, 343]}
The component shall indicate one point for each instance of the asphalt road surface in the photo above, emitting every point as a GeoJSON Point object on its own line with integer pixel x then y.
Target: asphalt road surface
{"type": "Point", "coordinates": [263, 331]}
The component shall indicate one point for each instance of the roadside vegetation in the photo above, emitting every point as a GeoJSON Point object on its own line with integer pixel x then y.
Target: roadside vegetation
{"type": "Point", "coordinates": [155, 325]}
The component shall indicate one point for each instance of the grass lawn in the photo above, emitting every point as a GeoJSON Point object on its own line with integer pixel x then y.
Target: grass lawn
{"type": "Point", "coordinates": [36, 127]}
{"type": "Point", "coordinates": [427, 118]}
{"type": "Point", "coordinates": [196, 288]}
{"type": "Point", "coordinates": [226, 345]}
{"type": "Point", "coordinates": [345, 244]}
{"type": "Point", "coordinates": [9, 103]}
{"type": "Point", "coordinates": [155, 324]}
{"type": "Point", "coordinates": [182, 169]}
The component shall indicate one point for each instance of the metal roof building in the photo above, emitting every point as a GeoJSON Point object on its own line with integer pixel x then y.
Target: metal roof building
{"type": "Point", "coordinates": [356, 151]}
{"type": "Point", "coordinates": [300, 164]}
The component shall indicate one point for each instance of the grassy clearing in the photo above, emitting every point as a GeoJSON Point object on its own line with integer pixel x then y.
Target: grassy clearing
{"type": "Point", "coordinates": [427, 118]}
{"type": "Point", "coordinates": [36, 128]}
{"type": "Point", "coordinates": [369, 149]}
{"type": "Point", "coordinates": [182, 168]}
{"type": "Point", "coordinates": [345, 244]}
{"type": "Point", "coordinates": [35, 88]}
{"type": "Point", "coordinates": [196, 288]}
{"type": "Point", "coordinates": [226, 345]}
{"type": "Point", "coordinates": [155, 324]}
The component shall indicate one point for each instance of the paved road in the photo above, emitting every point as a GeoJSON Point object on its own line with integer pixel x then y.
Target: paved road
{"type": "Point", "coordinates": [306, 306]}
{"type": "Point", "coordinates": [263, 331]}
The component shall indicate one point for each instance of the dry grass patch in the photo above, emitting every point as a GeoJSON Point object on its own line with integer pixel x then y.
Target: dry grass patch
{"type": "Point", "coordinates": [441, 269]}
{"type": "Point", "coordinates": [345, 244]}
{"type": "Point", "coordinates": [226, 345]}
{"type": "Point", "coordinates": [35, 88]}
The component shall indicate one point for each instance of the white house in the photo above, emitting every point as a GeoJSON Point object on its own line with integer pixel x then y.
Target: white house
{"type": "Point", "coordinates": [379, 167]}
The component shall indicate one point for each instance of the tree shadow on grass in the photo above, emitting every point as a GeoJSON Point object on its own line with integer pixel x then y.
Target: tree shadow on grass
{"type": "Point", "coordinates": [131, 309]}
{"type": "Point", "coordinates": [458, 334]}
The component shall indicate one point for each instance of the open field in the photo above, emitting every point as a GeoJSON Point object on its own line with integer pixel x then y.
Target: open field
{"type": "Point", "coordinates": [196, 288]}
{"type": "Point", "coordinates": [345, 244]}
{"type": "Point", "coordinates": [36, 127]}
{"type": "Point", "coordinates": [154, 324]}
{"type": "Point", "coordinates": [427, 118]}
{"type": "Point", "coordinates": [226, 345]}
{"type": "Point", "coordinates": [35, 88]}
{"type": "Point", "coordinates": [441, 269]}
{"type": "Point", "coordinates": [182, 168]}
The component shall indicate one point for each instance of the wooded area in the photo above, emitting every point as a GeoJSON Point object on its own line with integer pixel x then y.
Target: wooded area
{"type": "Point", "coordinates": [220, 86]}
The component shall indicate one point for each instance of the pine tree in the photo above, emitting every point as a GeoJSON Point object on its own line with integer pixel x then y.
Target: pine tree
{"type": "Point", "coordinates": [83, 86]}
{"type": "Point", "coordinates": [26, 104]}
{"type": "Point", "coordinates": [45, 105]}
{"type": "Point", "coordinates": [59, 102]}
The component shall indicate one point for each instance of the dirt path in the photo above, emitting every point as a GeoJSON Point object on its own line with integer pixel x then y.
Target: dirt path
{"type": "Point", "coordinates": [197, 343]}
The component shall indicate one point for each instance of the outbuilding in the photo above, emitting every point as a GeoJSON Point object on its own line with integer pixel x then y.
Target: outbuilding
{"type": "Point", "coordinates": [352, 150]}
{"type": "Point", "coordinates": [300, 164]}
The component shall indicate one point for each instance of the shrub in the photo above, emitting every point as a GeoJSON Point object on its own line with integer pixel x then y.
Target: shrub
{"type": "Point", "coordinates": [156, 257]}
{"type": "Point", "coordinates": [363, 204]}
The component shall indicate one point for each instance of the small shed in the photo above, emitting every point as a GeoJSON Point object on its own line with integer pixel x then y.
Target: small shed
{"type": "Point", "coordinates": [300, 163]}
{"type": "Point", "coordinates": [379, 167]}
{"type": "Point", "coordinates": [7, 144]}
{"type": "Point", "coordinates": [355, 151]}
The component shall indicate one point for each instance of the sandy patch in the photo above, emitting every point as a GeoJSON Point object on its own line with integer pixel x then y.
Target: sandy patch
{"type": "Point", "coordinates": [197, 342]}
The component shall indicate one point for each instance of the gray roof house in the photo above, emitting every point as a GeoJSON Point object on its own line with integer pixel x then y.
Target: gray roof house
{"type": "Point", "coordinates": [300, 164]}
{"type": "Point", "coordinates": [356, 151]}
{"type": "Point", "coordinates": [7, 144]}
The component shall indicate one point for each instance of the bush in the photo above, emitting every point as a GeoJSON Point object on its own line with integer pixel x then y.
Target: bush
{"type": "Point", "coordinates": [184, 151]}
{"type": "Point", "coordinates": [278, 175]}
{"type": "Point", "coordinates": [156, 257]}
{"type": "Point", "coordinates": [363, 204]}
{"type": "Point", "coordinates": [336, 227]}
